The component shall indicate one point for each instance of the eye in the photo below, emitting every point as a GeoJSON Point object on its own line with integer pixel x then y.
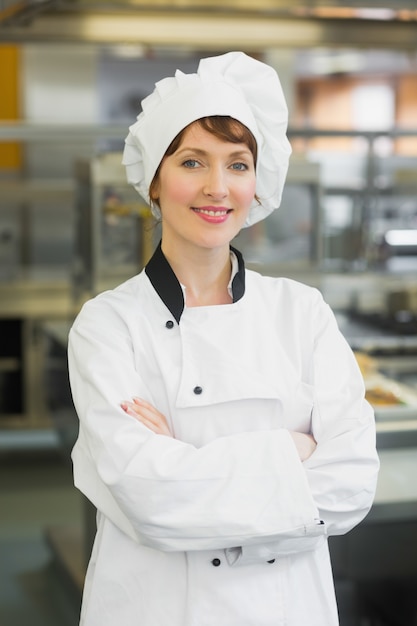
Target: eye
{"type": "Point", "coordinates": [240, 167]}
{"type": "Point", "coordinates": [191, 163]}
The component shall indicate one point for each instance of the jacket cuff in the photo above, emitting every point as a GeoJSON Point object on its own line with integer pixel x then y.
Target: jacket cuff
{"type": "Point", "coordinates": [302, 539]}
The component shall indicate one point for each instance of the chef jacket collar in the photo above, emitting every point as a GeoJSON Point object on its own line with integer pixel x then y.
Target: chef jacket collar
{"type": "Point", "coordinates": [167, 286]}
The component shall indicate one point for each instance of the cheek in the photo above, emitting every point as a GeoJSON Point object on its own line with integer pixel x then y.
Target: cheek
{"type": "Point", "coordinates": [247, 193]}
{"type": "Point", "coordinates": [174, 191]}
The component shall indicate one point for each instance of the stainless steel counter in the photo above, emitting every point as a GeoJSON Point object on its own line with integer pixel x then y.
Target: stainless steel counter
{"type": "Point", "coordinates": [27, 298]}
{"type": "Point", "coordinates": [396, 495]}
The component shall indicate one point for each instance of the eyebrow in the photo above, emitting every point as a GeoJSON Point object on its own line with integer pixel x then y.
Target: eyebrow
{"type": "Point", "coordinates": [199, 151]}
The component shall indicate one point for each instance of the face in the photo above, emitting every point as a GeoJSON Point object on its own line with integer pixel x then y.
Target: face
{"type": "Point", "coordinates": [205, 190]}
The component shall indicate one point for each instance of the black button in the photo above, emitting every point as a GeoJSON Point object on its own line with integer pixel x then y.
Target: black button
{"type": "Point", "coordinates": [216, 562]}
{"type": "Point", "coordinates": [169, 324]}
{"type": "Point", "coordinates": [197, 390]}
{"type": "Point", "coordinates": [271, 561]}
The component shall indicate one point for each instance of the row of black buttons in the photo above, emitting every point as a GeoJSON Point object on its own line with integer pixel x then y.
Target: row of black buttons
{"type": "Point", "coordinates": [197, 390]}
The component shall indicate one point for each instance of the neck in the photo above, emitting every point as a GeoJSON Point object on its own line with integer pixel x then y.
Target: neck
{"type": "Point", "coordinates": [205, 273]}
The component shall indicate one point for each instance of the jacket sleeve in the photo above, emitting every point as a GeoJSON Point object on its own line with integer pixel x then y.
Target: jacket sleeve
{"type": "Point", "coordinates": [342, 472]}
{"type": "Point", "coordinates": [243, 489]}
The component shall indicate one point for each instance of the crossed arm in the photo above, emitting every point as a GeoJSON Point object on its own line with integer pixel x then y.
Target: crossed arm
{"type": "Point", "coordinates": [150, 417]}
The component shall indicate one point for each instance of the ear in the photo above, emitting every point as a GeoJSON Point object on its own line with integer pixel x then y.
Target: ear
{"type": "Point", "coordinates": [157, 189]}
{"type": "Point", "coordinates": [154, 190]}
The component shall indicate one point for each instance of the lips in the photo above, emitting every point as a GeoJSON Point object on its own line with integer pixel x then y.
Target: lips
{"type": "Point", "coordinates": [212, 215]}
{"type": "Point", "coordinates": [211, 211]}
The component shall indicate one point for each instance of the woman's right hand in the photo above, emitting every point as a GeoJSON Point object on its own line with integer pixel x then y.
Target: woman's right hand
{"type": "Point", "coordinates": [305, 444]}
{"type": "Point", "coordinates": [148, 415]}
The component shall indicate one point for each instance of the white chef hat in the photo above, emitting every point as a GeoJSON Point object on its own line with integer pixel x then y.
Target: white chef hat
{"type": "Point", "coordinates": [231, 84]}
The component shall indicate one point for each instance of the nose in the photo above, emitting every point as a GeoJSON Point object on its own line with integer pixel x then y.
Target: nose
{"type": "Point", "coordinates": [215, 185]}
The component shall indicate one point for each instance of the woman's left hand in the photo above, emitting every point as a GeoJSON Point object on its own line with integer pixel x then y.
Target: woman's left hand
{"type": "Point", "coordinates": [146, 413]}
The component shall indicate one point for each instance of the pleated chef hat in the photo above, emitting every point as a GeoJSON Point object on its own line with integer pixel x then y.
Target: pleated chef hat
{"type": "Point", "coordinates": [231, 84]}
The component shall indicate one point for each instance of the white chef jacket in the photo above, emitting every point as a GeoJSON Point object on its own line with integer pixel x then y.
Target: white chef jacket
{"type": "Point", "coordinates": [221, 525]}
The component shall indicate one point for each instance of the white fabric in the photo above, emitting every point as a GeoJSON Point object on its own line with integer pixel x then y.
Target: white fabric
{"type": "Point", "coordinates": [230, 485]}
{"type": "Point", "coordinates": [232, 84]}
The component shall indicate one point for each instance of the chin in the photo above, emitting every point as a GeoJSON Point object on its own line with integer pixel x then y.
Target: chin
{"type": "Point", "coordinates": [215, 241]}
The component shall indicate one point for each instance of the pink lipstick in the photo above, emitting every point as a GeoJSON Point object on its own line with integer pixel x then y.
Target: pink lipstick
{"type": "Point", "coordinates": [212, 214]}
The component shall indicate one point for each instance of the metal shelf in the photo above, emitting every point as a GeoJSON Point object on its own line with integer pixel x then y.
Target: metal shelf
{"type": "Point", "coordinates": [39, 190]}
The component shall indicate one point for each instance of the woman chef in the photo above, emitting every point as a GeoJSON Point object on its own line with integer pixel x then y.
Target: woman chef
{"type": "Point", "coordinates": [224, 433]}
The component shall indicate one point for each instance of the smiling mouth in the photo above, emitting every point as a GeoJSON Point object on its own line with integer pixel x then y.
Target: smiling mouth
{"type": "Point", "coordinates": [211, 212]}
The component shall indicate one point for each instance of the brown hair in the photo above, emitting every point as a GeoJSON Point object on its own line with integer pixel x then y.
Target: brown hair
{"type": "Point", "coordinates": [223, 127]}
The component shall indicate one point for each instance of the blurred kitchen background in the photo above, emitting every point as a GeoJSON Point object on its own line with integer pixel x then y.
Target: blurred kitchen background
{"type": "Point", "coordinates": [72, 75]}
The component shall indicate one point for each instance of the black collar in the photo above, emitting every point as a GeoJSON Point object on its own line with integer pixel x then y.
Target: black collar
{"type": "Point", "coordinates": [166, 284]}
